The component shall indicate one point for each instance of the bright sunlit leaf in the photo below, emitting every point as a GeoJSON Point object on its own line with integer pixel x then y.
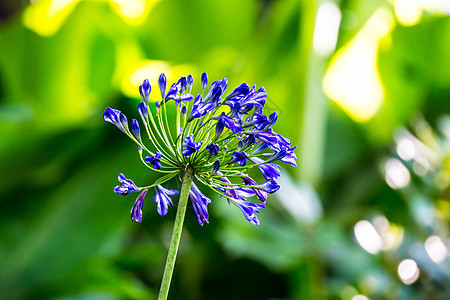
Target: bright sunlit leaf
{"type": "Point", "coordinates": [352, 79]}
{"type": "Point", "coordinates": [47, 16]}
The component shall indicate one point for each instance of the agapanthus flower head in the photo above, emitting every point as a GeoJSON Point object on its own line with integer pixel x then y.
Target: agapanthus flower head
{"type": "Point", "coordinates": [220, 138]}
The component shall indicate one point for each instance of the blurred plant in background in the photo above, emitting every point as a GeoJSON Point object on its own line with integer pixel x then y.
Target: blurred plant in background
{"type": "Point", "coordinates": [366, 215]}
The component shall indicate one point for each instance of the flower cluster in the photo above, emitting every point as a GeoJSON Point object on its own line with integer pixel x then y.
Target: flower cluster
{"type": "Point", "coordinates": [217, 137]}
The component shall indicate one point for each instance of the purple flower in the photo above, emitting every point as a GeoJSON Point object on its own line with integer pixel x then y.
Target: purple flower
{"type": "Point", "coordinates": [162, 82]}
{"type": "Point", "coordinates": [213, 149]}
{"type": "Point", "coordinates": [269, 170]}
{"type": "Point", "coordinates": [154, 160]}
{"type": "Point", "coordinates": [117, 118]}
{"type": "Point", "coordinates": [199, 108]}
{"type": "Point", "coordinates": [238, 157]}
{"type": "Point", "coordinates": [216, 90]}
{"type": "Point", "coordinates": [260, 121]}
{"type": "Point", "coordinates": [246, 142]}
{"type": "Point", "coordinates": [182, 84]}
{"type": "Point", "coordinates": [172, 93]}
{"type": "Point", "coordinates": [270, 186]}
{"type": "Point", "coordinates": [190, 146]}
{"type": "Point", "coordinates": [253, 99]}
{"type": "Point", "coordinates": [136, 210]}
{"type": "Point", "coordinates": [266, 137]}
{"type": "Point", "coordinates": [126, 186]}
{"type": "Point", "coordinates": [199, 202]}
{"type": "Point", "coordinates": [249, 209]}
{"type": "Point", "coordinates": [227, 190]}
{"type": "Point", "coordinates": [163, 200]}
{"type": "Point", "coordinates": [290, 157]}
{"type": "Point", "coordinates": [237, 94]}
{"type": "Point", "coordinates": [144, 89]}
{"type": "Point", "coordinates": [230, 123]}
{"type": "Point", "coordinates": [262, 195]}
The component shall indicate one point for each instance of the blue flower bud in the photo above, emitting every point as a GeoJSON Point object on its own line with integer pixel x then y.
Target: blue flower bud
{"type": "Point", "coordinates": [113, 116]}
{"type": "Point", "coordinates": [272, 118]}
{"type": "Point", "coordinates": [136, 211]}
{"type": "Point", "coordinates": [224, 84]}
{"type": "Point", "coordinates": [219, 128]}
{"type": "Point", "coordinates": [204, 81]}
{"type": "Point", "coordinates": [143, 112]}
{"type": "Point", "coordinates": [157, 106]}
{"type": "Point", "coordinates": [144, 89]}
{"type": "Point", "coordinates": [184, 111]}
{"type": "Point", "coordinates": [216, 167]}
{"type": "Point", "coordinates": [135, 130]}
{"type": "Point", "coordinates": [190, 81]}
{"type": "Point", "coordinates": [182, 84]}
{"type": "Point", "coordinates": [124, 121]}
{"type": "Point", "coordinates": [213, 150]}
{"type": "Point", "coordinates": [162, 81]}
{"type": "Point", "coordinates": [216, 93]}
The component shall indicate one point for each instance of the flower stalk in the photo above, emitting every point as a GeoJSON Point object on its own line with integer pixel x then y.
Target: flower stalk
{"type": "Point", "coordinates": [176, 235]}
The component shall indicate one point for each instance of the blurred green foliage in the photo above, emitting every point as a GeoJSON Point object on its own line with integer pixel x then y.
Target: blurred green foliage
{"type": "Point", "coordinates": [64, 233]}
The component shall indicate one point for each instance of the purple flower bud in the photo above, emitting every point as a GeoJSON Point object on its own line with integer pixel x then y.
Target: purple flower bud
{"type": "Point", "coordinates": [190, 81]}
{"type": "Point", "coordinates": [272, 118]}
{"type": "Point", "coordinates": [157, 106]}
{"type": "Point", "coordinates": [144, 89]}
{"type": "Point", "coordinates": [162, 81]}
{"type": "Point", "coordinates": [113, 116]}
{"type": "Point", "coordinates": [215, 167]}
{"type": "Point", "coordinates": [224, 84]}
{"type": "Point", "coordinates": [135, 130]}
{"type": "Point", "coordinates": [204, 81]}
{"type": "Point", "coordinates": [213, 150]}
{"type": "Point", "coordinates": [216, 93]}
{"type": "Point", "coordinates": [124, 121]}
{"type": "Point", "coordinates": [184, 111]}
{"type": "Point", "coordinates": [143, 112]}
{"type": "Point", "coordinates": [136, 210]}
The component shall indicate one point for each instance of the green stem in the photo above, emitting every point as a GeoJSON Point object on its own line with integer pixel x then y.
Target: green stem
{"type": "Point", "coordinates": [176, 234]}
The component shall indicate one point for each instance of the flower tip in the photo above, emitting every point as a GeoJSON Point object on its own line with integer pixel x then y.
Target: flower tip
{"type": "Point", "coordinates": [162, 81]}
{"type": "Point", "coordinates": [204, 80]}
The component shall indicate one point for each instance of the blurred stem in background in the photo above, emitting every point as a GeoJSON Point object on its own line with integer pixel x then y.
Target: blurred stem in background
{"type": "Point", "coordinates": [317, 37]}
